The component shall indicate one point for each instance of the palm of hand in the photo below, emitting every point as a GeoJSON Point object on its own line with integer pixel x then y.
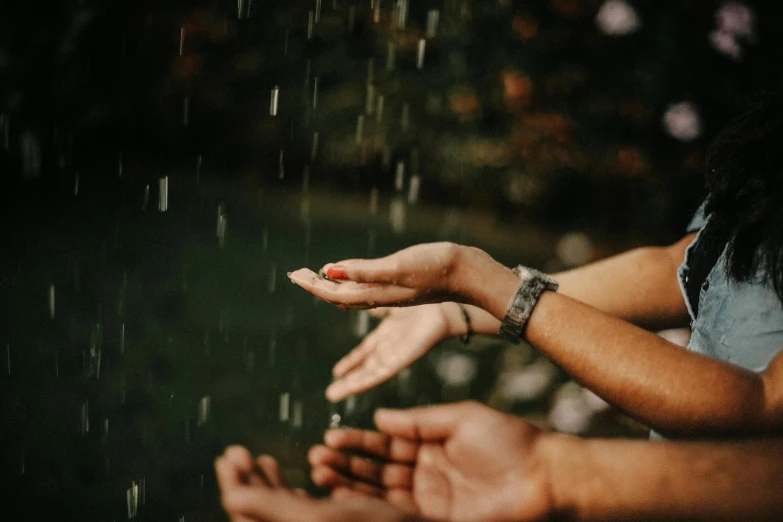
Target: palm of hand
{"type": "Point", "coordinates": [404, 335]}
{"type": "Point", "coordinates": [475, 475]}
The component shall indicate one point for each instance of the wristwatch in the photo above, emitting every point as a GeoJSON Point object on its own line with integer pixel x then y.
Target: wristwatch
{"type": "Point", "coordinates": [531, 284]}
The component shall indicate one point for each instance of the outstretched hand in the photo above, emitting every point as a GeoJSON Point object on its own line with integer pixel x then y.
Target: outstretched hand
{"type": "Point", "coordinates": [403, 336]}
{"type": "Point", "coordinates": [459, 462]}
{"type": "Point", "coordinates": [255, 490]}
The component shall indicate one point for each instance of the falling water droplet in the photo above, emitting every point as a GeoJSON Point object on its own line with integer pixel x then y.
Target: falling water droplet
{"type": "Point", "coordinates": [397, 211]}
{"type": "Point", "coordinates": [285, 399]}
{"type": "Point", "coordinates": [317, 11]}
{"type": "Point", "coordinates": [132, 499]}
{"type": "Point", "coordinates": [281, 166]}
{"type": "Point", "coordinates": [146, 199]}
{"type": "Point", "coordinates": [204, 408]}
{"type": "Point", "coordinates": [391, 52]}
{"type": "Point", "coordinates": [85, 422]}
{"type": "Point", "coordinates": [379, 109]}
{"type": "Point", "coordinates": [105, 433]}
{"type": "Point", "coordinates": [274, 100]}
{"type": "Point", "coordinates": [433, 17]}
{"type": "Point", "coordinates": [420, 54]}
{"type": "Point", "coordinates": [181, 40]}
{"type": "Point", "coordinates": [351, 18]}
{"type": "Point", "coordinates": [369, 106]}
{"type": "Point", "coordinates": [315, 92]}
{"type": "Point", "coordinates": [297, 415]}
{"type": "Point", "coordinates": [163, 194]}
{"type": "Point", "coordinates": [51, 301]}
{"type": "Point", "coordinates": [76, 183]}
{"type": "Point", "coordinates": [222, 223]}
{"type": "Point", "coordinates": [309, 25]}
{"type": "Point", "coordinates": [362, 323]}
{"type": "Point", "coordinates": [240, 8]}
{"type": "Point", "coordinates": [402, 13]}
{"type": "Point", "coordinates": [285, 42]}
{"type": "Point", "coordinates": [399, 177]}
{"type": "Point", "coordinates": [360, 128]}
{"type": "Point", "coordinates": [122, 338]}
{"type": "Point", "coordinates": [376, 11]}
{"type": "Point", "coordinates": [413, 190]}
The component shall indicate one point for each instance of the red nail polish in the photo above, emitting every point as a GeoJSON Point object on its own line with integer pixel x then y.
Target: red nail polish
{"type": "Point", "coordinates": [336, 272]}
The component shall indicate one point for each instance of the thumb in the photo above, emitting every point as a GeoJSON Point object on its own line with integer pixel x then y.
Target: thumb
{"type": "Point", "coordinates": [429, 423]}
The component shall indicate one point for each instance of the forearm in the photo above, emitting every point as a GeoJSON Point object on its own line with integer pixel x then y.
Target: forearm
{"type": "Point", "coordinates": [675, 391]}
{"type": "Point", "coordinates": [633, 480]}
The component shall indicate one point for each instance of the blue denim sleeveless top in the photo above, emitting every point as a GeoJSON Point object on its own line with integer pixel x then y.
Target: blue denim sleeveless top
{"type": "Point", "coordinates": [740, 323]}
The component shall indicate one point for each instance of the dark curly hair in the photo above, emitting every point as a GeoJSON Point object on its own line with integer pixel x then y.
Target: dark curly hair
{"type": "Point", "coordinates": [744, 180]}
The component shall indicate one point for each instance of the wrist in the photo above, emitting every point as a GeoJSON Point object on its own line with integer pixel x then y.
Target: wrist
{"type": "Point", "coordinates": [455, 324]}
{"type": "Point", "coordinates": [479, 280]}
{"type": "Point", "coordinates": [565, 473]}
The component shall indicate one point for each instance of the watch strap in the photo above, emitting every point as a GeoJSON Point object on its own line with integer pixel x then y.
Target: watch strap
{"type": "Point", "coordinates": [531, 284]}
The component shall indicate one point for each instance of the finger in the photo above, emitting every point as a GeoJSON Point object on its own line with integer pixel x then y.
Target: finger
{"type": "Point", "coordinates": [359, 380]}
{"type": "Point", "coordinates": [432, 481]}
{"type": "Point", "coordinates": [355, 356]}
{"type": "Point", "coordinates": [326, 477]}
{"type": "Point", "coordinates": [426, 423]}
{"type": "Point", "coordinates": [241, 458]}
{"type": "Point", "coordinates": [380, 312]}
{"type": "Point", "coordinates": [380, 270]}
{"type": "Point", "coordinates": [376, 444]}
{"type": "Point", "coordinates": [271, 471]}
{"type": "Point", "coordinates": [228, 476]}
{"type": "Point", "coordinates": [272, 505]}
{"type": "Point", "coordinates": [387, 475]}
{"type": "Point", "coordinates": [351, 295]}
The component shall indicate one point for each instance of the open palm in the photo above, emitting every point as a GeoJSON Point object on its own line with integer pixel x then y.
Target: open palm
{"type": "Point", "coordinates": [461, 462]}
{"type": "Point", "coordinates": [404, 335]}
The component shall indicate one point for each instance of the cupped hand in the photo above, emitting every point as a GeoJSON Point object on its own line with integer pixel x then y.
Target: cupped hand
{"type": "Point", "coordinates": [416, 275]}
{"type": "Point", "coordinates": [458, 462]}
{"type": "Point", "coordinates": [255, 490]}
{"type": "Point", "coordinates": [403, 336]}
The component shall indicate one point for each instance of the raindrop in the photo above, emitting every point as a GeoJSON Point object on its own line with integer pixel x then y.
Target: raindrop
{"type": "Point", "coordinates": [222, 223]}
{"type": "Point", "coordinates": [122, 338]}
{"type": "Point", "coordinates": [285, 42]}
{"type": "Point", "coordinates": [391, 52]}
{"type": "Point", "coordinates": [85, 422]}
{"type": "Point", "coordinates": [132, 498]}
{"type": "Point", "coordinates": [351, 18]}
{"type": "Point", "coordinates": [285, 399]}
{"type": "Point", "coordinates": [420, 54]}
{"type": "Point", "coordinates": [274, 99]}
{"type": "Point", "coordinates": [376, 11]}
{"type": "Point", "coordinates": [186, 111]}
{"type": "Point", "coordinates": [96, 346]}
{"type": "Point", "coordinates": [240, 8]}
{"type": "Point", "coordinates": [315, 93]}
{"type": "Point", "coordinates": [105, 434]}
{"type": "Point", "coordinates": [146, 199]}
{"type": "Point", "coordinates": [317, 11]}
{"type": "Point", "coordinates": [309, 25]}
{"type": "Point", "coordinates": [76, 183]}
{"type": "Point", "coordinates": [362, 323]}
{"type": "Point", "coordinates": [181, 40]}
{"type": "Point", "coordinates": [399, 177]}
{"type": "Point", "coordinates": [335, 421]}
{"type": "Point", "coordinates": [433, 17]}
{"type": "Point", "coordinates": [379, 109]}
{"type": "Point", "coordinates": [359, 128]}
{"type": "Point", "coordinates": [413, 190]}
{"type": "Point", "coordinates": [51, 301]}
{"type": "Point", "coordinates": [402, 13]}
{"type": "Point", "coordinates": [204, 408]}
{"type": "Point", "coordinates": [281, 166]}
{"type": "Point", "coordinates": [369, 106]}
{"type": "Point", "coordinates": [397, 212]}
{"type": "Point", "coordinates": [297, 414]}
{"type": "Point", "coordinates": [163, 194]}
{"type": "Point", "coordinates": [272, 278]}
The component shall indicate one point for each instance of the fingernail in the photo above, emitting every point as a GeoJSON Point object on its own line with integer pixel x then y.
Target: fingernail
{"type": "Point", "coordinates": [288, 274]}
{"type": "Point", "coordinates": [336, 272]}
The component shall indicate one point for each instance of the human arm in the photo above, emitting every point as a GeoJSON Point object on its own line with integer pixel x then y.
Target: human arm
{"type": "Point", "coordinates": [639, 286]}
{"type": "Point", "coordinates": [675, 391]}
{"type": "Point", "coordinates": [441, 460]}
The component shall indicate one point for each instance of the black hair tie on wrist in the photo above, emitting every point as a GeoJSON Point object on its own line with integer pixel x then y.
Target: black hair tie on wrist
{"type": "Point", "coordinates": [465, 338]}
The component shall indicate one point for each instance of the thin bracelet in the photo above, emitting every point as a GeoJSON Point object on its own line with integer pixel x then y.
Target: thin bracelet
{"type": "Point", "coordinates": [465, 338]}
